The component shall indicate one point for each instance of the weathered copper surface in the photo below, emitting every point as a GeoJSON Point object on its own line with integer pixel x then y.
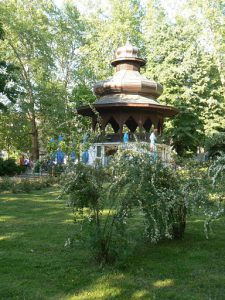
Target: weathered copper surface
{"type": "Point", "coordinates": [128, 98]}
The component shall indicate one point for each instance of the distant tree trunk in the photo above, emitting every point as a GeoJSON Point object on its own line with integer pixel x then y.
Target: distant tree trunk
{"type": "Point", "coordinates": [34, 137]}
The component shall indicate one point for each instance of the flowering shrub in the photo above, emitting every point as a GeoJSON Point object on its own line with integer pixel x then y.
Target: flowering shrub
{"type": "Point", "coordinates": [104, 198]}
{"type": "Point", "coordinates": [98, 206]}
{"type": "Point", "coordinates": [216, 173]}
{"type": "Point", "coordinates": [155, 188]}
{"type": "Point", "coordinates": [217, 170]}
{"type": "Point", "coordinates": [204, 191]}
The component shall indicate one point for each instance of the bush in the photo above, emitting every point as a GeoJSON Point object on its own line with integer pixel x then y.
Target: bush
{"type": "Point", "coordinates": [9, 167]}
{"type": "Point", "coordinates": [24, 185]}
{"type": "Point", "coordinates": [6, 184]}
{"type": "Point", "coordinates": [156, 188]}
{"type": "Point", "coordinates": [202, 191]}
{"type": "Point", "coordinates": [41, 166]}
{"type": "Point", "coordinates": [56, 170]}
{"type": "Point", "coordinates": [49, 167]}
{"type": "Point", "coordinates": [86, 190]}
{"type": "Point", "coordinates": [215, 145]}
{"type": "Point", "coordinates": [104, 199]}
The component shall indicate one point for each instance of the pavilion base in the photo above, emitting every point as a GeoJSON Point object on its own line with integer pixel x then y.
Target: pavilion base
{"type": "Point", "coordinates": [104, 151]}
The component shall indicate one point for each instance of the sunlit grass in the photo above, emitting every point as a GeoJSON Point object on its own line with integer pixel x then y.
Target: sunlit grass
{"type": "Point", "coordinates": [12, 235]}
{"type": "Point", "coordinates": [34, 264]}
{"type": "Point", "coordinates": [163, 283]}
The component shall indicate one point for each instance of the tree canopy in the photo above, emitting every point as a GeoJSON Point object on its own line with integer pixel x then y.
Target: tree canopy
{"type": "Point", "coordinates": [50, 57]}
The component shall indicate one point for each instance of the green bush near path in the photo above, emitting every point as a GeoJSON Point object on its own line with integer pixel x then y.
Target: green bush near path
{"type": "Point", "coordinates": [8, 167]}
{"type": "Point", "coordinates": [35, 264]}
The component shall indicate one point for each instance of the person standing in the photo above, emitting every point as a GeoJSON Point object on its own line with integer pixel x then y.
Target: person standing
{"type": "Point", "coordinates": [153, 141]}
{"type": "Point", "coordinates": [22, 158]}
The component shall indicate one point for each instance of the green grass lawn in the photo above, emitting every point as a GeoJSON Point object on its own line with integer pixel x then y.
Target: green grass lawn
{"type": "Point", "coordinates": [34, 264]}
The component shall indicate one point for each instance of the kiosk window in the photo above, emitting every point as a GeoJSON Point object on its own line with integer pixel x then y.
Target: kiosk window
{"type": "Point", "coordinates": [99, 151]}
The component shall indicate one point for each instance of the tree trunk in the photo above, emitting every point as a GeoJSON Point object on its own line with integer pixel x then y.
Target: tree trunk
{"type": "Point", "coordinates": [35, 144]}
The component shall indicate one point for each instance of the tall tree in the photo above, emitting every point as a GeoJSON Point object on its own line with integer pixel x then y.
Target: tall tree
{"type": "Point", "coordinates": [210, 15]}
{"type": "Point", "coordinates": [9, 88]}
{"type": "Point", "coordinates": [58, 91]}
{"type": "Point", "coordinates": [109, 30]}
{"type": "Point", "coordinates": [26, 42]}
{"type": "Point", "coordinates": [45, 44]}
{"type": "Point", "coordinates": [188, 74]}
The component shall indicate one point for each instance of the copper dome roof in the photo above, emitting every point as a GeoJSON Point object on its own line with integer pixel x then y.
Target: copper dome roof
{"type": "Point", "coordinates": [128, 95]}
{"type": "Point", "coordinates": [127, 79]}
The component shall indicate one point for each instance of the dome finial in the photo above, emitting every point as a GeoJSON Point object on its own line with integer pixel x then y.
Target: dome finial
{"type": "Point", "coordinates": [128, 42]}
{"type": "Point", "coordinates": [127, 53]}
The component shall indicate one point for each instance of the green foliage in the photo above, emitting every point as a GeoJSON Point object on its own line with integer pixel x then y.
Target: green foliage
{"type": "Point", "coordinates": [1, 32]}
{"type": "Point", "coordinates": [26, 185]}
{"type": "Point", "coordinates": [40, 166]}
{"type": "Point", "coordinates": [9, 167]}
{"type": "Point", "coordinates": [157, 190]}
{"type": "Point", "coordinates": [210, 16]}
{"type": "Point", "coordinates": [61, 53]}
{"type": "Point", "coordinates": [9, 84]}
{"type": "Point", "coordinates": [108, 31]}
{"type": "Point", "coordinates": [199, 187]}
{"type": "Point", "coordinates": [190, 77]}
{"type": "Point", "coordinates": [44, 44]}
{"type": "Point", "coordinates": [103, 199]}
{"type": "Point", "coordinates": [15, 132]}
{"type": "Point", "coordinates": [89, 194]}
{"type": "Point", "coordinates": [27, 45]}
{"type": "Point", "coordinates": [217, 170]}
{"type": "Point", "coordinates": [45, 165]}
{"type": "Point", "coordinates": [215, 144]}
